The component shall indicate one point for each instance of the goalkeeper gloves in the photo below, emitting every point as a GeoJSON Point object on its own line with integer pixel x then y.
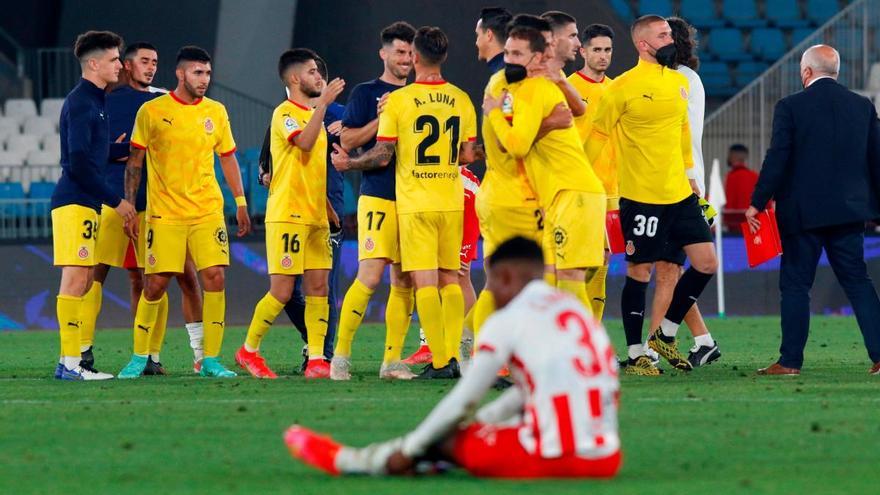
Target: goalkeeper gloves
{"type": "Point", "coordinates": [709, 212]}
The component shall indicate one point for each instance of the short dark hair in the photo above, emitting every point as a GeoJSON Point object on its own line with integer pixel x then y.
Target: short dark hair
{"type": "Point", "coordinates": [432, 44]}
{"type": "Point", "coordinates": [295, 56]}
{"type": "Point", "coordinates": [537, 41]}
{"type": "Point", "coordinates": [399, 30]}
{"type": "Point", "coordinates": [596, 31]}
{"type": "Point", "coordinates": [738, 147]}
{"type": "Point", "coordinates": [644, 21]}
{"type": "Point", "coordinates": [495, 19]}
{"type": "Point", "coordinates": [132, 49]}
{"type": "Point", "coordinates": [685, 38]}
{"type": "Point", "coordinates": [528, 20]}
{"type": "Point", "coordinates": [92, 41]}
{"type": "Point", "coordinates": [192, 53]}
{"type": "Point", "coordinates": [322, 68]}
{"type": "Point", "coordinates": [517, 248]}
{"type": "Point", "coordinates": [558, 19]}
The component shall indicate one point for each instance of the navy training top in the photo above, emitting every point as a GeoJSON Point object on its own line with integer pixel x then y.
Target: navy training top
{"type": "Point", "coordinates": [335, 179]}
{"type": "Point", "coordinates": [123, 104]}
{"type": "Point", "coordinates": [360, 111]}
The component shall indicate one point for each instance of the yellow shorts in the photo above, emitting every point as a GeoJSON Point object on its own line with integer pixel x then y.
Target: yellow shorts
{"type": "Point", "coordinates": [377, 229]}
{"type": "Point", "coordinates": [113, 244]}
{"type": "Point", "coordinates": [574, 234]}
{"type": "Point", "coordinates": [292, 248]}
{"type": "Point", "coordinates": [500, 223]}
{"type": "Point", "coordinates": [430, 240]}
{"type": "Point", "coordinates": [74, 235]}
{"type": "Point", "coordinates": [167, 245]}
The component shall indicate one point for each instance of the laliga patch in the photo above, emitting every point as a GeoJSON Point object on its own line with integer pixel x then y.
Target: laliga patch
{"type": "Point", "coordinates": [151, 260]}
{"type": "Point", "coordinates": [369, 245]}
{"type": "Point", "coordinates": [209, 125]}
{"type": "Point", "coordinates": [83, 252]}
{"type": "Point", "coordinates": [220, 236]}
{"type": "Point", "coordinates": [560, 237]}
{"type": "Point", "coordinates": [683, 92]}
{"type": "Point", "coordinates": [286, 262]}
{"type": "Point", "coordinates": [630, 248]}
{"type": "Point", "coordinates": [290, 124]}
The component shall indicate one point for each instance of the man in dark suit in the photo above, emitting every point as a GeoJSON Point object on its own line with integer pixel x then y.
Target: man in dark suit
{"type": "Point", "coordinates": [822, 168]}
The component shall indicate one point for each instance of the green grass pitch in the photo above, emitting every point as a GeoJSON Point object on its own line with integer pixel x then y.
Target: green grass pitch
{"type": "Point", "coordinates": [720, 429]}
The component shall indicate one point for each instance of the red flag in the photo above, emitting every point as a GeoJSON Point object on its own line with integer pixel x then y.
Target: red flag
{"type": "Point", "coordinates": [765, 244]}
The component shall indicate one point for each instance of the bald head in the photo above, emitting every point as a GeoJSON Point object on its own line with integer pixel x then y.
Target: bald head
{"type": "Point", "coordinates": [818, 61]}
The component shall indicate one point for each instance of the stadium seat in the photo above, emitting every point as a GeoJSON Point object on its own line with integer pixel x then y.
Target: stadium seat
{"type": "Point", "coordinates": [20, 108]}
{"type": "Point", "coordinates": [39, 126]}
{"type": "Point", "coordinates": [873, 84]}
{"type": "Point", "coordinates": [8, 127]}
{"type": "Point", "coordinates": [623, 9]}
{"type": "Point", "coordinates": [51, 108]}
{"type": "Point", "coordinates": [767, 43]}
{"type": "Point", "coordinates": [727, 44]}
{"type": "Point", "coordinates": [12, 158]}
{"type": "Point", "coordinates": [228, 200]}
{"type": "Point", "coordinates": [819, 11]}
{"type": "Point", "coordinates": [746, 72]}
{"type": "Point", "coordinates": [701, 13]}
{"type": "Point", "coordinates": [51, 142]}
{"type": "Point", "coordinates": [800, 34]}
{"type": "Point", "coordinates": [23, 143]}
{"type": "Point", "coordinates": [43, 158]}
{"type": "Point", "coordinates": [657, 7]}
{"type": "Point", "coordinates": [251, 155]}
{"type": "Point", "coordinates": [258, 198]}
{"type": "Point", "coordinates": [716, 79]}
{"type": "Point", "coordinates": [785, 13]}
{"type": "Point", "coordinates": [14, 191]}
{"type": "Point", "coordinates": [40, 191]}
{"type": "Point", "coordinates": [848, 41]}
{"type": "Point", "coordinates": [742, 13]}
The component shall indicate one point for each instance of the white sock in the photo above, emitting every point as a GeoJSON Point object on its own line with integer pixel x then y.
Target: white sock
{"type": "Point", "coordinates": [84, 348]}
{"type": "Point", "coordinates": [668, 328]}
{"type": "Point", "coordinates": [422, 341]}
{"type": "Point", "coordinates": [704, 340]}
{"type": "Point", "coordinates": [250, 349]}
{"type": "Point", "coordinates": [71, 362]}
{"type": "Point", "coordinates": [154, 358]}
{"type": "Point", "coordinates": [635, 350]}
{"type": "Point", "coordinates": [372, 459]}
{"type": "Point", "coordinates": [196, 333]}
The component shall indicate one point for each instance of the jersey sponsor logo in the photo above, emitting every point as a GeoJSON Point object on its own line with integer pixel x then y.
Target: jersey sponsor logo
{"type": "Point", "coordinates": [209, 125]}
{"type": "Point", "coordinates": [369, 244]}
{"type": "Point", "coordinates": [83, 252]}
{"type": "Point", "coordinates": [286, 262]}
{"type": "Point", "coordinates": [630, 248]}
{"type": "Point", "coordinates": [220, 236]}
{"type": "Point", "coordinates": [290, 124]}
{"type": "Point", "coordinates": [683, 92]}
{"type": "Point", "coordinates": [151, 259]}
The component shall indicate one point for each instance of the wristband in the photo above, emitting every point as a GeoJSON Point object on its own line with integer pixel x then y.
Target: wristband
{"type": "Point", "coordinates": [240, 201]}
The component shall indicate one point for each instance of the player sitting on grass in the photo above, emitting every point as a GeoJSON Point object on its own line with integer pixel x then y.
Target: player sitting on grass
{"type": "Point", "coordinates": [560, 420]}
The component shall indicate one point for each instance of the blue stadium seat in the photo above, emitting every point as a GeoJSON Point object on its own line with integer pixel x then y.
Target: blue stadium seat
{"type": "Point", "coordinates": [12, 190]}
{"type": "Point", "coordinates": [228, 200]}
{"type": "Point", "coordinates": [251, 155]}
{"type": "Point", "coordinates": [658, 7]}
{"type": "Point", "coordinates": [623, 9]}
{"type": "Point", "coordinates": [845, 39]}
{"type": "Point", "coordinates": [819, 11]}
{"type": "Point", "coordinates": [258, 199]}
{"type": "Point", "coordinates": [768, 43]}
{"type": "Point", "coordinates": [701, 13]}
{"type": "Point", "coordinates": [727, 44]}
{"type": "Point", "coordinates": [746, 72]}
{"type": "Point", "coordinates": [41, 190]}
{"type": "Point", "coordinates": [716, 79]}
{"type": "Point", "coordinates": [742, 13]}
{"type": "Point", "coordinates": [785, 13]}
{"type": "Point", "coordinates": [800, 34]}
{"type": "Point", "coordinates": [349, 197]}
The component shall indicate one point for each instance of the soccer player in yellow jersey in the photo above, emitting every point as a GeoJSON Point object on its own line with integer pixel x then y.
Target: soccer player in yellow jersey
{"type": "Point", "coordinates": [179, 133]}
{"type": "Point", "coordinates": [430, 125]}
{"type": "Point", "coordinates": [568, 191]}
{"type": "Point", "coordinates": [297, 222]}
{"type": "Point", "coordinates": [591, 82]}
{"type": "Point", "coordinates": [644, 113]}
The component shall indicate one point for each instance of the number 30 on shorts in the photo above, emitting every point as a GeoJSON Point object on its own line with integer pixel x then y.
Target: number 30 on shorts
{"type": "Point", "coordinates": [645, 226]}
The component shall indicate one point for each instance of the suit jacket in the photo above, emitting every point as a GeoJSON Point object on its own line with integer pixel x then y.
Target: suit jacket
{"type": "Point", "coordinates": [823, 164]}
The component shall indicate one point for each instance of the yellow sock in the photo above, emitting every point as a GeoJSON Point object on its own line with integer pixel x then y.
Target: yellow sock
{"type": "Point", "coordinates": [157, 335]}
{"type": "Point", "coordinates": [483, 309]}
{"type": "Point", "coordinates": [67, 309]}
{"type": "Point", "coordinates": [576, 287]}
{"type": "Point", "coordinates": [550, 278]}
{"type": "Point", "coordinates": [91, 307]}
{"type": "Point", "coordinates": [144, 324]}
{"type": "Point", "coordinates": [398, 313]}
{"type": "Point", "coordinates": [431, 318]}
{"type": "Point", "coordinates": [214, 318]}
{"type": "Point", "coordinates": [350, 316]}
{"type": "Point", "coordinates": [452, 302]}
{"type": "Point", "coordinates": [317, 312]}
{"type": "Point", "coordinates": [264, 315]}
{"type": "Point", "coordinates": [596, 291]}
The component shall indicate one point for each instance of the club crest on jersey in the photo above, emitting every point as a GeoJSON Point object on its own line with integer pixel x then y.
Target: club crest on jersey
{"type": "Point", "coordinates": [209, 125]}
{"type": "Point", "coordinates": [630, 248]}
{"type": "Point", "coordinates": [151, 259]}
{"type": "Point", "coordinates": [83, 252]}
{"type": "Point", "coordinates": [369, 244]}
{"type": "Point", "coordinates": [286, 262]}
{"type": "Point", "coordinates": [290, 124]}
{"type": "Point", "coordinates": [220, 236]}
{"type": "Point", "coordinates": [560, 236]}
{"type": "Point", "coordinates": [683, 92]}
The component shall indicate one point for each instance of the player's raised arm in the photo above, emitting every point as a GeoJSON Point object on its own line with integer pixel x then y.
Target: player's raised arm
{"type": "Point", "coordinates": [306, 139]}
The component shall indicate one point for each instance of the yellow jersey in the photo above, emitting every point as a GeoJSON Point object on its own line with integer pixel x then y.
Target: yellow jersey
{"type": "Point", "coordinates": [591, 93]}
{"type": "Point", "coordinates": [428, 121]}
{"type": "Point", "coordinates": [180, 140]}
{"type": "Point", "coordinates": [554, 163]}
{"type": "Point", "coordinates": [298, 189]}
{"type": "Point", "coordinates": [644, 113]}
{"type": "Point", "coordinates": [505, 182]}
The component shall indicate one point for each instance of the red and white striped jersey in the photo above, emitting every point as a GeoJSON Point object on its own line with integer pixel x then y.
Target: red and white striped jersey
{"type": "Point", "coordinates": [563, 362]}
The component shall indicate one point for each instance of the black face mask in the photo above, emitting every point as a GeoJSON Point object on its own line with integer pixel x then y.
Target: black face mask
{"type": "Point", "coordinates": [665, 55]}
{"type": "Point", "coordinates": [514, 73]}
